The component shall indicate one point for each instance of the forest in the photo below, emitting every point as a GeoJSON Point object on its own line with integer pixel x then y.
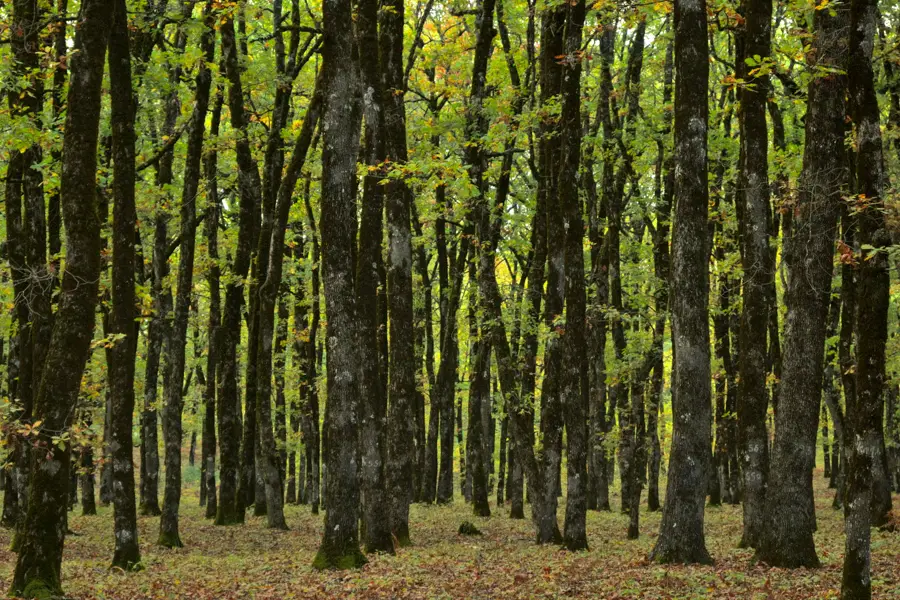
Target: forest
{"type": "Point", "coordinates": [450, 299]}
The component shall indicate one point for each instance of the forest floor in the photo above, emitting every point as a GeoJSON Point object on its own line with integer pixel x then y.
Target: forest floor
{"type": "Point", "coordinates": [249, 561]}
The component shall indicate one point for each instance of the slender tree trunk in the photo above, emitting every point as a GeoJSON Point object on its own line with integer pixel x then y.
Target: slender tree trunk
{"type": "Point", "coordinates": [215, 315]}
{"type": "Point", "coordinates": [662, 268]}
{"type": "Point", "coordinates": [122, 354]}
{"type": "Point", "coordinates": [477, 124]}
{"type": "Point", "coordinates": [26, 244]}
{"type": "Point", "coordinates": [37, 571]}
{"type": "Point", "coordinates": [175, 357]}
{"type": "Point", "coordinates": [231, 505]}
{"type": "Point", "coordinates": [88, 503]}
{"type": "Point", "coordinates": [268, 292]}
{"type": "Point", "coordinates": [574, 385]}
{"type": "Point", "coordinates": [310, 372]}
{"type": "Point", "coordinates": [753, 193]}
{"type": "Point", "coordinates": [373, 452]}
{"type": "Point", "coordinates": [340, 126]}
{"type": "Point", "coordinates": [681, 538]}
{"type": "Point", "coordinates": [402, 396]}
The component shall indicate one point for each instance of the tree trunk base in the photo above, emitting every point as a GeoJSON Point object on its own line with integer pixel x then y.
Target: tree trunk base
{"type": "Point", "coordinates": [170, 540]}
{"type": "Point", "coordinates": [226, 516]}
{"type": "Point", "coordinates": [338, 558]}
{"type": "Point", "coordinates": [149, 510]}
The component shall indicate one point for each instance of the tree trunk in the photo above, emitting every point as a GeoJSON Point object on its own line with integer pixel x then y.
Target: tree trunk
{"type": "Point", "coordinates": [574, 390]}
{"type": "Point", "coordinates": [375, 502]}
{"type": "Point", "coordinates": [808, 255]}
{"type": "Point", "coordinates": [37, 571]}
{"type": "Point", "coordinates": [231, 505]}
{"type": "Point", "coordinates": [402, 396]}
{"type": "Point", "coordinates": [215, 315]}
{"type": "Point", "coordinates": [662, 269]}
{"type": "Point", "coordinates": [340, 126]}
{"type": "Point", "coordinates": [681, 538]}
{"type": "Point", "coordinates": [864, 416]}
{"type": "Point", "coordinates": [275, 228]}
{"type": "Point", "coordinates": [175, 357]}
{"type": "Point", "coordinates": [122, 354]}
{"type": "Point", "coordinates": [753, 193]}
{"type": "Point", "coordinates": [310, 373]}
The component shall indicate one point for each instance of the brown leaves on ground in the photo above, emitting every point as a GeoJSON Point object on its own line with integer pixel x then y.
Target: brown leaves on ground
{"type": "Point", "coordinates": [250, 561]}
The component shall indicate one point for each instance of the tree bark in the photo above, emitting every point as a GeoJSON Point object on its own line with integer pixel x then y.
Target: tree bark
{"type": "Point", "coordinates": [122, 322]}
{"type": "Point", "coordinates": [268, 293]}
{"type": "Point", "coordinates": [231, 505]}
{"type": "Point", "coordinates": [312, 441]}
{"type": "Point", "coordinates": [808, 255]}
{"type": "Point", "coordinates": [340, 126]}
{"type": "Point", "coordinates": [402, 395]}
{"type": "Point", "coordinates": [574, 385]}
{"type": "Point", "coordinates": [753, 192]}
{"type": "Point", "coordinates": [373, 453]}
{"type": "Point", "coordinates": [864, 416]}
{"type": "Point", "coordinates": [681, 538]}
{"type": "Point", "coordinates": [37, 571]}
{"type": "Point", "coordinates": [175, 356]}
{"type": "Point", "coordinates": [210, 400]}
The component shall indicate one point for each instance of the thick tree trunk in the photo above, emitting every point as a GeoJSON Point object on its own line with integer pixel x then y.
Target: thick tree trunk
{"type": "Point", "coordinates": [864, 416]}
{"type": "Point", "coordinates": [552, 415]}
{"type": "Point", "coordinates": [788, 541]}
{"type": "Point", "coordinates": [37, 571]}
{"type": "Point", "coordinates": [340, 126]}
{"type": "Point", "coordinates": [122, 322]}
{"type": "Point", "coordinates": [681, 538]}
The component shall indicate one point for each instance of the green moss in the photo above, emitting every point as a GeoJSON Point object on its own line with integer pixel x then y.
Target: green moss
{"type": "Point", "coordinates": [38, 589]}
{"type": "Point", "coordinates": [349, 557]}
{"type": "Point", "coordinates": [468, 528]}
{"type": "Point", "coordinates": [149, 511]}
{"type": "Point", "coordinates": [169, 540]}
{"type": "Point", "coordinates": [227, 517]}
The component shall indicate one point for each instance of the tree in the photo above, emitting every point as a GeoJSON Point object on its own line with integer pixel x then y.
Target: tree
{"type": "Point", "coordinates": [808, 253]}
{"type": "Point", "coordinates": [37, 569]}
{"type": "Point", "coordinates": [401, 366]}
{"type": "Point", "coordinates": [340, 126]}
{"type": "Point", "coordinates": [753, 186]}
{"type": "Point", "coordinates": [681, 538]}
{"type": "Point", "coordinates": [574, 386]}
{"type": "Point", "coordinates": [121, 365]}
{"type": "Point", "coordinates": [865, 414]}
{"type": "Point", "coordinates": [175, 357]}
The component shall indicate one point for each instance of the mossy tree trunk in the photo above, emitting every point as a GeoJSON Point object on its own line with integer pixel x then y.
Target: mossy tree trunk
{"type": "Point", "coordinates": [37, 570]}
